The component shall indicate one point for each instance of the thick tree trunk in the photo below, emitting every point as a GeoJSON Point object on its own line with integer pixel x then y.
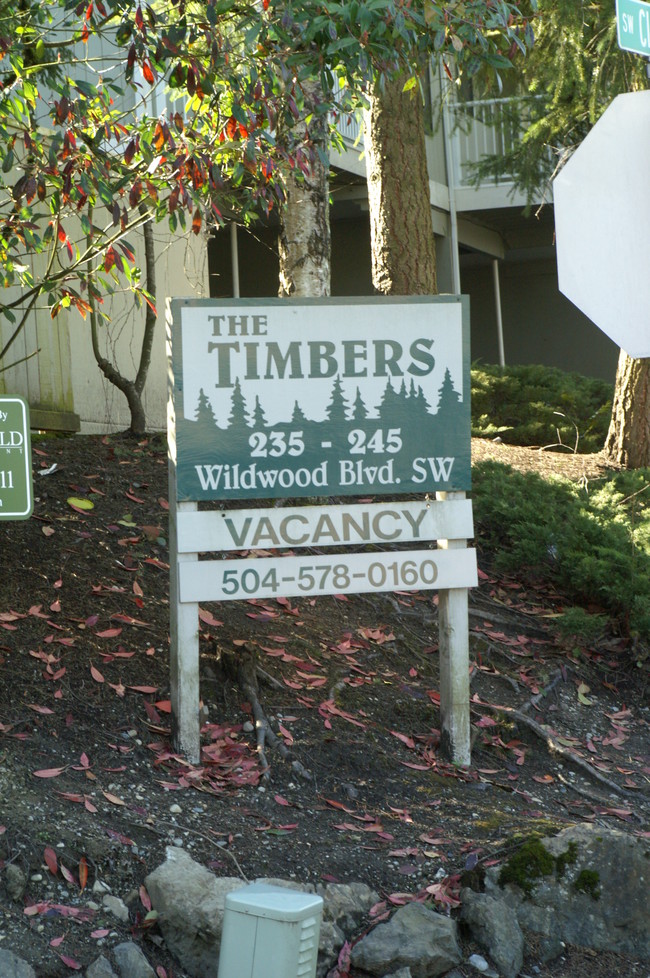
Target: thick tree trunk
{"type": "Point", "coordinates": [628, 438]}
{"type": "Point", "coordinates": [304, 244]}
{"type": "Point", "coordinates": [401, 230]}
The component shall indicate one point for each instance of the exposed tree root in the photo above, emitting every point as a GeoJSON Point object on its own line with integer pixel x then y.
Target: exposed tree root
{"type": "Point", "coordinates": [242, 666]}
{"type": "Point", "coordinates": [555, 747]}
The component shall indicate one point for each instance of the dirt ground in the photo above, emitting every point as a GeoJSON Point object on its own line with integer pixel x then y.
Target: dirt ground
{"type": "Point", "coordinates": [90, 789]}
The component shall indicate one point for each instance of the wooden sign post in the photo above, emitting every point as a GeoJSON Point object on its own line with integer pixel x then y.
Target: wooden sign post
{"type": "Point", "coordinates": [320, 398]}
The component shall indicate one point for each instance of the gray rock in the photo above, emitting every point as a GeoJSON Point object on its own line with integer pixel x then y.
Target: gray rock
{"type": "Point", "coordinates": [599, 901]}
{"type": "Point", "coordinates": [495, 927]}
{"type": "Point", "coordinates": [11, 966]}
{"type": "Point", "coordinates": [15, 881]}
{"type": "Point", "coordinates": [330, 942]}
{"type": "Point", "coordinates": [346, 904]}
{"type": "Point", "coordinates": [478, 961]}
{"type": "Point", "coordinates": [100, 968]}
{"type": "Point", "coordinates": [116, 907]}
{"type": "Point", "coordinates": [402, 973]}
{"type": "Point", "coordinates": [415, 938]}
{"type": "Point", "coordinates": [189, 900]}
{"type": "Point", "coordinates": [131, 962]}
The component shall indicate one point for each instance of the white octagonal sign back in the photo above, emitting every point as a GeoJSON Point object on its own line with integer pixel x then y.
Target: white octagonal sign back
{"type": "Point", "coordinates": [602, 223]}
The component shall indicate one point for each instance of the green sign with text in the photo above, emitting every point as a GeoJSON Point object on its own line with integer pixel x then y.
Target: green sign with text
{"type": "Point", "coordinates": [16, 497]}
{"type": "Point", "coordinates": [633, 26]}
{"type": "Point", "coordinates": [299, 398]}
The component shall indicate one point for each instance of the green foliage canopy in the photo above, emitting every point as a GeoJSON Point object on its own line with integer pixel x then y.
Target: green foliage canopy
{"type": "Point", "coordinates": [567, 80]}
{"type": "Point", "coordinates": [84, 162]}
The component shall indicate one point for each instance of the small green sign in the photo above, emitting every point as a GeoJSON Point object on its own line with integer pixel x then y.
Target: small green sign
{"type": "Point", "coordinates": [633, 26]}
{"type": "Point", "coordinates": [16, 496]}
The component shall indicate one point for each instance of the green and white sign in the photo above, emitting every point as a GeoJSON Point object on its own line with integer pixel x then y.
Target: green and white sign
{"type": "Point", "coordinates": [16, 497]}
{"type": "Point", "coordinates": [633, 26]}
{"type": "Point", "coordinates": [304, 398]}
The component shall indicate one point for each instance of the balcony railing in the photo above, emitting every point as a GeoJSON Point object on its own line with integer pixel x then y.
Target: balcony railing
{"type": "Point", "coordinates": [487, 127]}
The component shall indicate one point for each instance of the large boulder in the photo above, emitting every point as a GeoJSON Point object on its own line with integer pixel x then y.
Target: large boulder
{"type": "Point", "coordinates": [189, 900]}
{"type": "Point", "coordinates": [416, 938]}
{"type": "Point", "coordinates": [593, 893]}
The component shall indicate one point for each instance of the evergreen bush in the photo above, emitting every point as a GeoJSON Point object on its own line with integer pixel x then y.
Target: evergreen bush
{"type": "Point", "coordinates": [593, 543]}
{"type": "Point", "coordinates": [540, 406]}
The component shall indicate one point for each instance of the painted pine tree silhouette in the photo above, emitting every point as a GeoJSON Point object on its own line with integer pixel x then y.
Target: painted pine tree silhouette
{"type": "Point", "coordinates": [259, 418]}
{"type": "Point", "coordinates": [448, 396]}
{"type": "Point", "coordinates": [420, 407]}
{"type": "Point", "coordinates": [391, 404]}
{"type": "Point", "coordinates": [238, 417]}
{"type": "Point", "coordinates": [337, 409]}
{"type": "Point", "coordinates": [359, 409]}
{"type": "Point", "coordinates": [204, 413]}
{"type": "Point", "coordinates": [298, 415]}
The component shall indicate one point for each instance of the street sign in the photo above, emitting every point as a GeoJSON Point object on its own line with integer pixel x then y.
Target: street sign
{"type": "Point", "coordinates": [602, 224]}
{"type": "Point", "coordinates": [633, 26]}
{"type": "Point", "coordinates": [16, 497]}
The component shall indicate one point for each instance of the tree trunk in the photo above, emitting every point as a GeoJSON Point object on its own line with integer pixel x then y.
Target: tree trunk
{"type": "Point", "coordinates": [132, 389]}
{"type": "Point", "coordinates": [305, 244]}
{"type": "Point", "coordinates": [628, 438]}
{"type": "Point", "coordinates": [401, 230]}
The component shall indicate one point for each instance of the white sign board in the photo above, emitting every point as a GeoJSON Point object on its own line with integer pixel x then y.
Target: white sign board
{"type": "Point", "coordinates": [602, 222]}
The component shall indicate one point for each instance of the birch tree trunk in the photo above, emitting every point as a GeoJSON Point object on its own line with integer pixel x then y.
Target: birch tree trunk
{"type": "Point", "coordinates": [305, 242]}
{"type": "Point", "coordinates": [628, 438]}
{"type": "Point", "coordinates": [401, 229]}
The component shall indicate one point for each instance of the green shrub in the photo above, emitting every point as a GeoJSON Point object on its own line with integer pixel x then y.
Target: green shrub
{"type": "Point", "coordinates": [539, 406]}
{"type": "Point", "coordinates": [593, 544]}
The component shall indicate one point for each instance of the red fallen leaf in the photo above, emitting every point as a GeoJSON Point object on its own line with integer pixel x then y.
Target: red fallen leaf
{"type": "Point", "coordinates": [135, 499]}
{"type": "Point", "coordinates": [68, 875]}
{"type": "Point", "coordinates": [57, 941]}
{"type": "Point", "coordinates": [165, 706]}
{"type": "Point", "coordinates": [50, 772]}
{"type": "Point", "coordinates": [137, 589]}
{"type": "Point", "coordinates": [109, 633]}
{"type": "Point", "coordinates": [209, 619]}
{"type": "Point", "coordinates": [145, 898]}
{"type": "Point", "coordinates": [98, 934]}
{"type": "Point", "coordinates": [96, 674]}
{"type": "Point", "coordinates": [405, 740]}
{"type": "Point", "coordinates": [70, 962]}
{"type": "Point", "coordinates": [51, 861]}
{"type": "Point", "coordinates": [128, 620]}
{"type": "Point", "coordinates": [114, 800]}
{"type": "Point", "coordinates": [338, 804]}
{"type": "Point", "coordinates": [55, 606]}
{"type": "Point", "coordinates": [88, 805]}
{"type": "Point", "coordinates": [163, 503]}
{"type": "Point", "coordinates": [143, 689]}
{"type": "Point", "coordinates": [83, 873]}
{"type": "Point", "coordinates": [160, 971]}
{"type": "Point", "coordinates": [544, 778]}
{"type": "Point", "coordinates": [282, 801]}
{"type": "Point", "coordinates": [157, 563]}
{"type": "Point", "coordinates": [44, 710]}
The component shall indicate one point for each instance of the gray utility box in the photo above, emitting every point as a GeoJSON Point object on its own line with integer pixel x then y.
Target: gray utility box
{"type": "Point", "coordinates": [270, 932]}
